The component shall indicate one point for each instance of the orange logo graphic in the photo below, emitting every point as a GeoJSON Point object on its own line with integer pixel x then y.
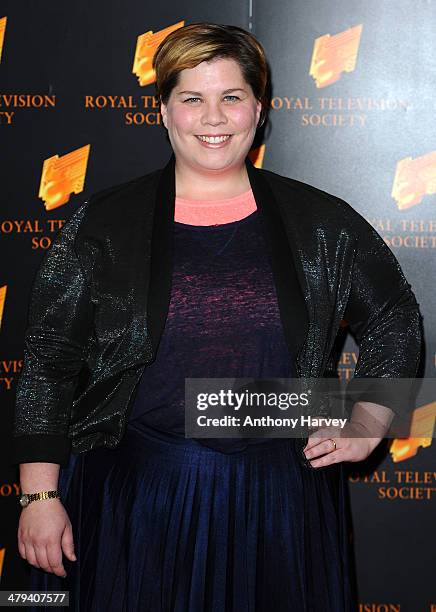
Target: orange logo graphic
{"type": "Point", "coordinates": [62, 176]}
{"type": "Point", "coordinates": [256, 156]}
{"type": "Point", "coordinates": [333, 55]}
{"type": "Point", "coordinates": [145, 49]}
{"type": "Point", "coordinates": [2, 560]}
{"type": "Point", "coordinates": [414, 178]}
{"type": "Point", "coordinates": [3, 21]}
{"type": "Point", "coordinates": [2, 301]}
{"type": "Point", "coordinates": [421, 433]}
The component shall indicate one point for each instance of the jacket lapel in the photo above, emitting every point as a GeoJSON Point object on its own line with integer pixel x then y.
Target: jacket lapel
{"type": "Point", "coordinates": [162, 253]}
{"type": "Point", "coordinates": [286, 266]}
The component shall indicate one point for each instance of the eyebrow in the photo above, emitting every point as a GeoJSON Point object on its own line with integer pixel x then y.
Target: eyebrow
{"type": "Point", "coordinates": [198, 93]}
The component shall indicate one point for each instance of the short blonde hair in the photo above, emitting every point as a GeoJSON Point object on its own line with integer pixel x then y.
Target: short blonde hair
{"type": "Point", "coordinates": [192, 44]}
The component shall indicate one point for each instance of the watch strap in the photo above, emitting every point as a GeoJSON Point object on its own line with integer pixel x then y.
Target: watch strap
{"type": "Point", "coordinates": [43, 495]}
{"type": "Point", "coordinates": [30, 497]}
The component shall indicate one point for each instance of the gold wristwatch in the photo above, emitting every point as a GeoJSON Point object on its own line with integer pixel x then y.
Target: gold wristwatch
{"type": "Point", "coordinates": [26, 498]}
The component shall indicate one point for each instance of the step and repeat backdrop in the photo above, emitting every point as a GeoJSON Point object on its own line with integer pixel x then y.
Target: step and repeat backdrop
{"type": "Point", "coordinates": [352, 112]}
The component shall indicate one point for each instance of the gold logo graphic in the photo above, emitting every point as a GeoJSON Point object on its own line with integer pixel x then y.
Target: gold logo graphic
{"type": "Point", "coordinates": [62, 176]}
{"type": "Point", "coordinates": [2, 560]}
{"type": "Point", "coordinates": [421, 433]}
{"type": "Point", "coordinates": [3, 22]}
{"type": "Point", "coordinates": [2, 301]}
{"type": "Point", "coordinates": [257, 155]}
{"type": "Point", "coordinates": [414, 178]}
{"type": "Point", "coordinates": [333, 55]}
{"type": "Point", "coordinates": [146, 46]}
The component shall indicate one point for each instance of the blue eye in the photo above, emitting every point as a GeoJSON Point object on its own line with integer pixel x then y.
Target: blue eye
{"type": "Point", "coordinates": [236, 97]}
{"type": "Point", "coordinates": [189, 99]}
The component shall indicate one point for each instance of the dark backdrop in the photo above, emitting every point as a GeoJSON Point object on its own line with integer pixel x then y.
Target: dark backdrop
{"type": "Point", "coordinates": [344, 125]}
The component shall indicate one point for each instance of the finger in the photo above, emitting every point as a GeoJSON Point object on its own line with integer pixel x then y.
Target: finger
{"type": "Point", "coordinates": [67, 543]}
{"type": "Point", "coordinates": [329, 459]}
{"type": "Point", "coordinates": [30, 555]}
{"type": "Point", "coordinates": [21, 548]}
{"type": "Point", "coordinates": [320, 436]}
{"type": "Point", "coordinates": [325, 446]}
{"type": "Point", "coordinates": [54, 554]}
{"type": "Point", "coordinates": [41, 557]}
{"type": "Point", "coordinates": [312, 441]}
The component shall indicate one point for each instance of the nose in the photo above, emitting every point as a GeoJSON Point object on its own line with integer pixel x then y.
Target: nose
{"type": "Point", "coordinates": [213, 114]}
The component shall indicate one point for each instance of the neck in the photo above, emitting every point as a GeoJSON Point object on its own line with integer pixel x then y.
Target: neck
{"type": "Point", "coordinates": [210, 184]}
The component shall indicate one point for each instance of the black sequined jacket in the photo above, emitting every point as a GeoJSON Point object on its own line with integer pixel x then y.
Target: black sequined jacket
{"type": "Point", "coordinates": [100, 299]}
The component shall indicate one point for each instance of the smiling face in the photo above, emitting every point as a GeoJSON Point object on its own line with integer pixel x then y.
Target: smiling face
{"type": "Point", "coordinates": [211, 116]}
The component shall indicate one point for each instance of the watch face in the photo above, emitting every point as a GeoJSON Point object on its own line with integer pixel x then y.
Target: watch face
{"type": "Point", "coordinates": [24, 500]}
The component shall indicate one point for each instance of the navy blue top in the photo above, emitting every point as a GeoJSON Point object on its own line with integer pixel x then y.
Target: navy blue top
{"type": "Point", "coordinates": [223, 322]}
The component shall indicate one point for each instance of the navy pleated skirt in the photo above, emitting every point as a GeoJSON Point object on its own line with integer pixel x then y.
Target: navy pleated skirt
{"type": "Point", "coordinates": [162, 525]}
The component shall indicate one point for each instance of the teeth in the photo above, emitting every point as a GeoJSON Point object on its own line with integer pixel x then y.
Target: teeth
{"type": "Point", "coordinates": [214, 139]}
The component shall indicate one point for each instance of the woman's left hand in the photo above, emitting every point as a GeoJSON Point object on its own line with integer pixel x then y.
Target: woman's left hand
{"type": "Point", "coordinates": [352, 444]}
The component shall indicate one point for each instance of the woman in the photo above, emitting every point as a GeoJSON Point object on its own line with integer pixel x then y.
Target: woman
{"type": "Point", "coordinates": [205, 268]}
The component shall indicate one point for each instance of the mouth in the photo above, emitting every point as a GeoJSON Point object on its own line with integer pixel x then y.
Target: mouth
{"type": "Point", "coordinates": [214, 139]}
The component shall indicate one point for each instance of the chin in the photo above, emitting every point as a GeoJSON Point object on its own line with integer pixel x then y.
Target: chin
{"type": "Point", "coordinates": [221, 161]}
{"type": "Point", "coordinates": [218, 164]}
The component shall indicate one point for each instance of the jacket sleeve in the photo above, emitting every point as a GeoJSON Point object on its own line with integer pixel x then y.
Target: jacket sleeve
{"type": "Point", "coordinates": [60, 320]}
{"type": "Point", "coordinates": [384, 318]}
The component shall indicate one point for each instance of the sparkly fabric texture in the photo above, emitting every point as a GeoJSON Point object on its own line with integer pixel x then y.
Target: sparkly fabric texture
{"type": "Point", "coordinates": [95, 305]}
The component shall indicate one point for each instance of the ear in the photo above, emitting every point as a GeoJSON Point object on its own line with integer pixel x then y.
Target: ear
{"type": "Point", "coordinates": [163, 112]}
{"type": "Point", "coordinates": [258, 110]}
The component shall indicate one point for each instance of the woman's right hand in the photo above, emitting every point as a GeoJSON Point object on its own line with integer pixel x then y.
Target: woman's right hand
{"type": "Point", "coordinates": [44, 531]}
